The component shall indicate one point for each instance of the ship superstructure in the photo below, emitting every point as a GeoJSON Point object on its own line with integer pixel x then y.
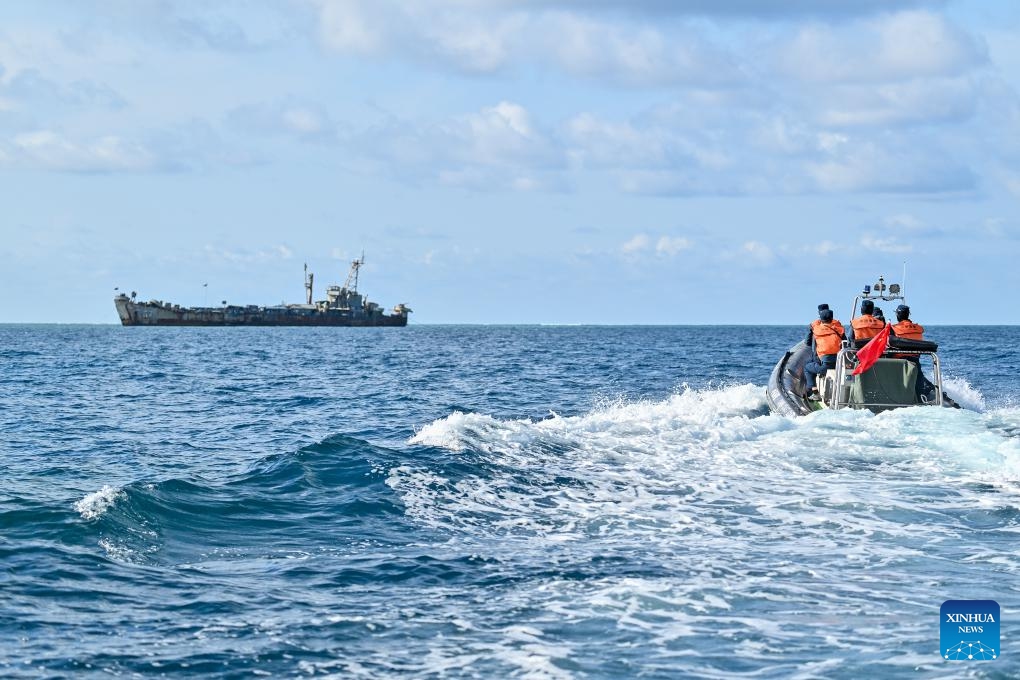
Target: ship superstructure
{"type": "Point", "coordinates": [343, 306]}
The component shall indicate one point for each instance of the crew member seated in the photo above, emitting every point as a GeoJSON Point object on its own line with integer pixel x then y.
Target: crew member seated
{"type": "Point", "coordinates": [828, 335]}
{"type": "Point", "coordinates": [866, 326]}
{"type": "Point", "coordinates": [879, 314]}
{"type": "Point", "coordinates": [908, 330]}
{"type": "Point", "coordinates": [904, 327]}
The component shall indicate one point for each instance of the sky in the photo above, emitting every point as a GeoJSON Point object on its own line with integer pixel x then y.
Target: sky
{"type": "Point", "coordinates": [498, 161]}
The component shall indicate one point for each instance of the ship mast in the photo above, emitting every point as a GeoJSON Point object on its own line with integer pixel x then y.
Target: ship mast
{"type": "Point", "coordinates": [351, 283]}
{"type": "Point", "coordinates": [309, 278]}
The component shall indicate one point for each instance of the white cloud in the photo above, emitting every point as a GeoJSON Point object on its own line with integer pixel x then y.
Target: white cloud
{"type": "Point", "coordinates": [831, 142]}
{"type": "Point", "coordinates": [352, 26]}
{"type": "Point", "coordinates": [759, 9]}
{"type": "Point", "coordinates": [636, 244]}
{"type": "Point", "coordinates": [902, 103]}
{"type": "Point", "coordinates": [823, 249]}
{"type": "Point", "coordinates": [667, 151]}
{"type": "Point", "coordinates": [492, 179]}
{"type": "Point", "coordinates": [904, 221]}
{"type": "Point", "coordinates": [244, 256]}
{"type": "Point", "coordinates": [884, 244]}
{"type": "Point", "coordinates": [482, 38]}
{"type": "Point", "coordinates": [663, 246]}
{"type": "Point", "coordinates": [599, 143]}
{"type": "Point", "coordinates": [29, 90]}
{"type": "Point", "coordinates": [475, 43]}
{"type": "Point", "coordinates": [304, 120]}
{"type": "Point", "coordinates": [758, 252]}
{"type": "Point", "coordinates": [497, 147]}
{"type": "Point", "coordinates": [895, 166]}
{"type": "Point", "coordinates": [596, 142]}
{"type": "Point", "coordinates": [447, 33]}
{"type": "Point", "coordinates": [911, 226]}
{"type": "Point", "coordinates": [672, 245]}
{"type": "Point", "coordinates": [497, 132]}
{"type": "Point", "coordinates": [50, 150]}
{"type": "Point", "coordinates": [897, 46]}
{"type": "Point", "coordinates": [638, 56]}
{"type": "Point", "coordinates": [777, 135]}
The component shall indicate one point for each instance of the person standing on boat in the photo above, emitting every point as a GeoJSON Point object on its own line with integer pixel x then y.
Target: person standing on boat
{"type": "Point", "coordinates": [866, 326]}
{"type": "Point", "coordinates": [827, 334]}
{"type": "Point", "coordinates": [878, 314]}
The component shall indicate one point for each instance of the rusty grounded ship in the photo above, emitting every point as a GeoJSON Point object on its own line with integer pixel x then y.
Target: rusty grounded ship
{"type": "Point", "coordinates": [343, 306]}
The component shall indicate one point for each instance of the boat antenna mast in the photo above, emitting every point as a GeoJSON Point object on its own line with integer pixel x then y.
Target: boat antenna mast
{"type": "Point", "coordinates": [880, 291]}
{"type": "Point", "coordinates": [903, 281]}
{"type": "Point", "coordinates": [309, 279]}
{"type": "Point", "coordinates": [351, 283]}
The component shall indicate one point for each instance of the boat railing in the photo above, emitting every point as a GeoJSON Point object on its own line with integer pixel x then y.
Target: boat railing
{"type": "Point", "coordinates": [846, 362]}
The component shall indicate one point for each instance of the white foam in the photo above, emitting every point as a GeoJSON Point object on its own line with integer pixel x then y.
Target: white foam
{"type": "Point", "coordinates": [644, 470]}
{"type": "Point", "coordinates": [963, 394]}
{"type": "Point", "coordinates": [617, 419]}
{"type": "Point", "coordinates": [116, 551]}
{"type": "Point", "coordinates": [95, 504]}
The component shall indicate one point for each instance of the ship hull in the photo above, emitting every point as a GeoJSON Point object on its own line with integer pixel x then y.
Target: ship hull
{"type": "Point", "coordinates": [151, 314]}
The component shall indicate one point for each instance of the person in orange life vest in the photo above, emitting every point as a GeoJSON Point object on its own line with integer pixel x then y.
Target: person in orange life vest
{"type": "Point", "coordinates": [904, 327]}
{"type": "Point", "coordinates": [828, 335]}
{"type": "Point", "coordinates": [908, 330]}
{"type": "Point", "coordinates": [866, 326]}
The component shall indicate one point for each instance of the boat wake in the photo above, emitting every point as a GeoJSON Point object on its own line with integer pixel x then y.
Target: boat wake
{"type": "Point", "coordinates": [678, 461]}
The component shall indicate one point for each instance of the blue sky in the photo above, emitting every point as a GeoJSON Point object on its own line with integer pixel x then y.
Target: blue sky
{"type": "Point", "coordinates": [538, 161]}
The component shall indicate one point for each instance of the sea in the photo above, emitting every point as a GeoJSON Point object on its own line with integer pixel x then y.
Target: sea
{"type": "Point", "coordinates": [491, 502]}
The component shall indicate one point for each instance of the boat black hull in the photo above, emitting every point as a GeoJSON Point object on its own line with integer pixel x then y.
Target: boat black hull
{"type": "Point", "coordinates": [786, 384]}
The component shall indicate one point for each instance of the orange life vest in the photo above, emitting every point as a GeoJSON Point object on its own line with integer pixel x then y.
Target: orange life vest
{"type": "Point", "coordinates": [908, 330]}
{"type": "Point", "coordinates": [827, 336]}
{"type": "Point", "coordinates": [866, 327]}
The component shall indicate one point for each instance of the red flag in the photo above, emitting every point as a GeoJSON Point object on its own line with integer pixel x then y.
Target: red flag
{"type": "Point", "coordinates": [870, 353]}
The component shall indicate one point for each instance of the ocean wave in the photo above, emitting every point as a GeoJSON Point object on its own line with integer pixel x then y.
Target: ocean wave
{"type": "Point", "coordinates": [94, 505]}
{"type": "Point", "coordinates": [278, 504]}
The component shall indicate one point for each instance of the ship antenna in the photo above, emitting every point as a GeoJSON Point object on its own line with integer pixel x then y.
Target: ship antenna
{"type": "Point", "coordinates": [903, 282]}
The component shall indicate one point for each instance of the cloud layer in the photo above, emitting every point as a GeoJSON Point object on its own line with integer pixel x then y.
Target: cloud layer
{"type": "Point", "coordinates": [483, 150]}
{"type": "Point", "coordinates": [673, 98]}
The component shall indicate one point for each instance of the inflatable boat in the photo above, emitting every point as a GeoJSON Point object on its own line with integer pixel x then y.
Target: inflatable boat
{"type": "Point", "coordinates": [895, 380]}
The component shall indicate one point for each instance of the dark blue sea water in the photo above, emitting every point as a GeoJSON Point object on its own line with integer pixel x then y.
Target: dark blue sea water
{"type": "Point", "coordinates": [538, 502]}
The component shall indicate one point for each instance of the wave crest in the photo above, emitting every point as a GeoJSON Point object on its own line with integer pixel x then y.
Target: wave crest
{"type": "Point", "coordinates": [95, 504]}
{"type": "Point", "coordinates": [701, 410]}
